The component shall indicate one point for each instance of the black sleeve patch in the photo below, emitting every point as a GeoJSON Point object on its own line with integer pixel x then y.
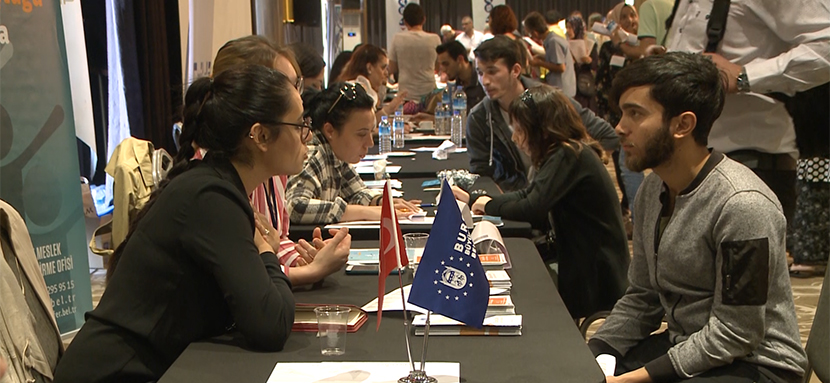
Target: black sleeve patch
{"type": "Point", "coordinates": [745, 272]}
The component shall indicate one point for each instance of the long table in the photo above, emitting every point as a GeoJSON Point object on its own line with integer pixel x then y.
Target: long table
{"type": "Point", "coordinates": [423, 165]}
{"type": "Point", "coordinates": [550, 348]}
{"type": "Point", "coordinates": [412, 190]}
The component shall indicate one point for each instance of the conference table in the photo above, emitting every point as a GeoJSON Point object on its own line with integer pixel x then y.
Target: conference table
{"type": "Point", "coordinates": [550, 348]}
{"type": "Point", "coordinates": [421, 164]}
{"type": "Point", "coordinates": [412, 189]}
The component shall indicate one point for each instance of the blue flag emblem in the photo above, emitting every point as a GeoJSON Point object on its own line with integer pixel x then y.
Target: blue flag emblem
{"type": "Point", "coordinates": [450, 280]}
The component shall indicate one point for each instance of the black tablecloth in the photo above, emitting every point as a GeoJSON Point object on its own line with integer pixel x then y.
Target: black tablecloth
{"type": "Point", "coordinates": [550, 348]}
{"type": "Point", "coordinates": [412, 190]}
{"type": "Point", "coordinates": [423, 165]}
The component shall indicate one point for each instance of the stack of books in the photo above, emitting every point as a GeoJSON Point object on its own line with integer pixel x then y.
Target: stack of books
{"type": "Point", "coordinates": [502, 325]}
{"type": "Point", "coordinates": [499, 280]}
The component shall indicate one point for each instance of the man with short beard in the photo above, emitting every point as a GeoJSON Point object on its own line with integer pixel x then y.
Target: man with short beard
{"type": "Point", "coordinates": [708, 250]}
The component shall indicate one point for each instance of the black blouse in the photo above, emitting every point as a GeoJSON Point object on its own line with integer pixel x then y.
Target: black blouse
{"type": "Point", "coordinates": [190, 271]}
{"type": "Point", "coordinates": [591, 244]}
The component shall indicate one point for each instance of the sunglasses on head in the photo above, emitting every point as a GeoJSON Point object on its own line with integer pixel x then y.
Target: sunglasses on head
{"type": "Point", "coordinates": [349, 91]}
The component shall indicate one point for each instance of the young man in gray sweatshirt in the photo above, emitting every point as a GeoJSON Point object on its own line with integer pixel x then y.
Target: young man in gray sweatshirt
{"type": "Point", "coordinates": [708, 251]}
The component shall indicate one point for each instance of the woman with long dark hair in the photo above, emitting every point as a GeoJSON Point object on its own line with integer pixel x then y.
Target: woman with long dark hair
{"type": "Point", "coordinates": [571, 199]}
{"type": "Point", "coordinates": [194, 264]}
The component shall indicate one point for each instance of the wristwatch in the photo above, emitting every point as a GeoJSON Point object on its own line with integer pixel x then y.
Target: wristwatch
{"type": "Point", "coordinates": [743, 81]}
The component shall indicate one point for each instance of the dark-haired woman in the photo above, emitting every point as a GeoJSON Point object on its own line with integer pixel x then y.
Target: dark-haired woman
{"type": "Point", "coordinates": [194, 264]}
{"type": "Point", "coordinates": [369, 67]}
{"type": "Point", "coordinates": [328, 189]}
{"type": "Point", "coordinates": [571, 197]}
{"type": "Point", "coordinates": [300, 260]}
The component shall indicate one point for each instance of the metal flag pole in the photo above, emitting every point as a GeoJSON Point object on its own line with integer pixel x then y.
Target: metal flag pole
{"type": "Point", "coordinates": [405, 322]}
{"type": "Point", "coordinates": [426, 337]}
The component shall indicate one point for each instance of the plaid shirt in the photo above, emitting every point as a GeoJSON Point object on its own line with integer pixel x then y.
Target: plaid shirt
{"type": "Point", "coordinates": [320, 193]}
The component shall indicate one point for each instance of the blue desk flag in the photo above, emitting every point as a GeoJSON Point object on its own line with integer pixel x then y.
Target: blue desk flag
{"type": "Point", "coordinates": [450, 279]}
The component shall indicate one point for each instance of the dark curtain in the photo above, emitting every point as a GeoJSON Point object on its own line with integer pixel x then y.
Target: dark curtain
{"type": "Point", "coordinates": [565, 7]}
{"type": "Point", "coordinates": [95, 32]}
{"type": "Point", "coordinates": [375, 23]}
{"type": "Point", "coordinates": [440, 12]}
{"type": "Point", "coordinates": [158, 51]}
{"type": "Point", "coordinates": [151, 60]}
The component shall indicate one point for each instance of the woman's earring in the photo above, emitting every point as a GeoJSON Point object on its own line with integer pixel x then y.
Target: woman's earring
{"type": "Point", "coordinates": [251, 136]}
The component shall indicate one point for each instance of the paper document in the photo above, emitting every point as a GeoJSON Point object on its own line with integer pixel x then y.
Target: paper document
{"type": "Point", "coordinates": [365, 372]}
{"type": "Point", "coordinates": [376, 224]}
{"type": "Point", "coordinates": [392, 302]}
{"type": "Point", "coordinates": [369, 170]}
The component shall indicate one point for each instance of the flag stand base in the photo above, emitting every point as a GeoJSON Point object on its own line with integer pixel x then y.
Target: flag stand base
{"type": "Point", "coordinates": [417, 377]}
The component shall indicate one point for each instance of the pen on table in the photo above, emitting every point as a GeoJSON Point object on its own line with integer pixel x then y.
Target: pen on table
{"type": "Point", "coordinates": [423, 205]}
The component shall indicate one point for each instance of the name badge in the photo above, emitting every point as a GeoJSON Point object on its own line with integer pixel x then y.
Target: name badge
{"type": "Point", "coordinates": [617, 61]}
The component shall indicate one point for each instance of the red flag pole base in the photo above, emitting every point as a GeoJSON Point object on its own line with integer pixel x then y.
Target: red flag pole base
{"type": "Point", "coordinates": [417, 377]}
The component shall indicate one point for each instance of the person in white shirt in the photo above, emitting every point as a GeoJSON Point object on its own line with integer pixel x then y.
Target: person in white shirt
{"type": "Point", "coordinates": [769, 48]}
{"type": "Point", "coordinates": [412, 54]}
{"type": "Point", "coordinates": [471, 38]}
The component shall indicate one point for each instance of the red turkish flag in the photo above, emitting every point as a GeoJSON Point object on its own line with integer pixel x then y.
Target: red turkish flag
{"type": "Point", "coordinates": [392, 250]}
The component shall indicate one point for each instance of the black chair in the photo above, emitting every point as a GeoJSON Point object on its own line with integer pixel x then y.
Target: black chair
{"type": "Point", "coordinates": [818, 343]}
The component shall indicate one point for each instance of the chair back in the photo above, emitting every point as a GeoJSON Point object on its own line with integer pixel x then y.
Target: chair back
{"type": "Point", "coordinates": [162, 163]}
{"type": "Point", "coordinates": [818, 343]}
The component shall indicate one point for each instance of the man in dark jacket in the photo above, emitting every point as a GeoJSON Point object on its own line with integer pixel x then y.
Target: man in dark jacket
{"type": "Point", "coordinates": [492, 152]}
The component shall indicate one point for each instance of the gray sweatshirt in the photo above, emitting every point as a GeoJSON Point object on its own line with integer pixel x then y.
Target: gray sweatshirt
{"type": "Point", "coordinates": [718, 272]}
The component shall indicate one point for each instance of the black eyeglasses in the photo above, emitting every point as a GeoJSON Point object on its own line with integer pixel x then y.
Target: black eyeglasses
{"type": "Point", "coordinates": [304, 128]}
{"type": "Point", "coordinates": [300, 85]}
{"type": "Point", "coordinates": [349, 91]}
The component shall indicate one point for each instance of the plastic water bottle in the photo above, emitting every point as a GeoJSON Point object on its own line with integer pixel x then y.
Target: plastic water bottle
{"type": "Point", "coordinates": [439, 118]}
{"type": "Point", "coordinates": [459, 103]}
{"type": "Point", "coordinates": [457, 132]}
{"type": "Point", "coordinates": [446, 95]}
{"type": "Point", "coordinates": [398, 129]}
{"type": "Point", "coordinates": [385, 135]}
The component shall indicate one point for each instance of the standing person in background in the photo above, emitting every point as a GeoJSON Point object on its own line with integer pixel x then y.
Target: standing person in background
{"type": "Point", "coordinates": [412, 54]}
{"type": "Point", "coordinates": [471, 38]}
{"type": "Point", "coordinates": [268, 199]}
{"type": "Point", "coordinates": [503, 22]}
{"type": "Point", "coordinates": [590, 34]}
{"type": "Point", "coordinates": [768, 49]}
{"type": "Point", "coordinates": [586, 65]}
{"type": "Point", "coordinates": [448, 34]}
{"type": "Point", "coordinates": [452, 59]}
{"type": "Point", "coordinates": [557, 60]}
{"type": "Point", "coordinates": [810, 236]}
{"type": "Point", "coordinates": [552, 19]}
{"type": "Point", "coordinates": [369, 66]}
{"type": "Point", "coordinates": [611, 60]}
{"type": "Point", "coordinates": [652, 27]}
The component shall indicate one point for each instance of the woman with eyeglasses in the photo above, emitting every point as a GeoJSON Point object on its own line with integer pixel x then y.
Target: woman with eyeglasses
{"type": "Point", "coordinates": [571, 199]}
{"type": "Point", "coordinates": [194, 264]}
{"type": "Point", "coordinates": [328, 189]}
{"type": "Point", "coordinates": [300, 260]}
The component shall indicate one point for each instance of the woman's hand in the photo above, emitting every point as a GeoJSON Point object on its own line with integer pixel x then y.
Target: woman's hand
{"type": "Point", "coordinates": [261, 244]}
{"type": "Point", "coordinates": [389, 109]}
{"type": "Point", "coordinates": [403, 206]}
{"type": "Point", "coordinates": [270, 234]}
{"type": "Point", "coordinates": [479, 204]}
{"type": "Point", "coordinates": [460, 194]}
{"type": "Point", "coordinates": [334, 253]}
